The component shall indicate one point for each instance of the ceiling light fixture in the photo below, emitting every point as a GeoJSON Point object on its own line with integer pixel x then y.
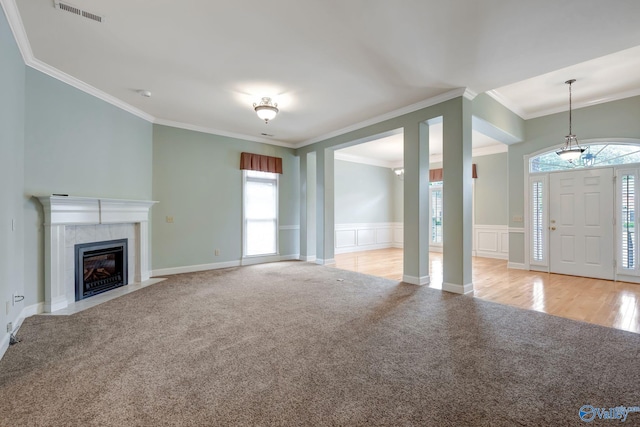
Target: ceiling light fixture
{"type": "Point", "coordinates": [266, 109]}
{"type": "Point", "coordinates": [145, 93]}
{"type": "Point", "coordinates": [399, 172]}
{"type": "Point", "coordinates": [571, 150]}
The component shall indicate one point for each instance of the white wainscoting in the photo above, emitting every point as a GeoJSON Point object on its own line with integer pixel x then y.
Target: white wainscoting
{"type": "Point", "coordinates": [368, 236]}
{"type": "Point", "coordinates": [491, 241]}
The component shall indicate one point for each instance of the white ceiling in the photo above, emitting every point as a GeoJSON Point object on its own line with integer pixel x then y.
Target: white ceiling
{"type": "Point", "coordinates": [329, 64]}
{"type": "Point", "coordinates": [389, 152]}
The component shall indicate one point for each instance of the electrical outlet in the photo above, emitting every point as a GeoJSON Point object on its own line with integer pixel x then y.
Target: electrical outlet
{"type": "Point", "coordinates": [517, 218]}
{"type": "Point", "coordinates": [9, 327]}
{"type": "Point", "coordinates": [170, 219]}
{"type": "Point", "coordinates": [217, 252]}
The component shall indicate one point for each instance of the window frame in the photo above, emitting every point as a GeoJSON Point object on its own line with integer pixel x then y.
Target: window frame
{"type": "Point", "coordinates": [275, 179]}
{"type": "Point", "coordinates": [543, 180]}
{"type": "Point", "coordinates": [620, 224]}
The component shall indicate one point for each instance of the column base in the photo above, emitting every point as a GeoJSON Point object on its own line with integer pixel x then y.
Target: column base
{"type": "Point", "coordinates": [419, 281]}
{"type": "Point", "coordinates": [458, 289]}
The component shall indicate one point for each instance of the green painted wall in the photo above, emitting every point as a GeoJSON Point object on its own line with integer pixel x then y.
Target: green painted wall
{"type": "Point", "coordinates": [618, 119]}
{"type": "Point", "coordinates": [497, 121]}
{"type": "Point", "coordinates": [311, 204]}
{"type": "Point", "coordinates": [197, 180]}
{"type": "Point", "coordinates": [12, 86]}
{"type": "Point", "coordinates": [490, 203]}
{"type": "Point", "coordinates": [79, 145]}
{"type": "Point", "coordinates": [364, 193]}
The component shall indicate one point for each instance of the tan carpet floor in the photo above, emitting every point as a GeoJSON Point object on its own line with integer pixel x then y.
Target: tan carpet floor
{"type": "Point", "coordinates": [293, 343]}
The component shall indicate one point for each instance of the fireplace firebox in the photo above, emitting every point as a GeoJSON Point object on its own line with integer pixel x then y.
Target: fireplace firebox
{"type": "Point", "coordinates": [100, 267]}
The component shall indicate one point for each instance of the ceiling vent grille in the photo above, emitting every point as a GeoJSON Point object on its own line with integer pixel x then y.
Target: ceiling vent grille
{"type": "Point", "coordinates": [77, 11]}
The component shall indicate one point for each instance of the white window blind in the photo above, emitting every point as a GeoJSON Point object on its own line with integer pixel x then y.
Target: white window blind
{"type": "Point", "coordinates": [537, 221]}
{"type": "Point", "coordinates": [260, 213]}
{"type": "Point", "coordinates": [627, 239]}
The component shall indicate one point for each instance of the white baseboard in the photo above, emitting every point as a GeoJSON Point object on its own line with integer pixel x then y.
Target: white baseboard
{"type": "Point", "coordinates": [310, 258]}
{"type": "Point", "coordinates": [419, 281]}
{"type": "Point", "coordinates": [265, 259]}
{"type": "Point", "coordinates": [26, 312]}
{"type": "Point", "coordinates": [516, 266]}
{"type": "Point", "coordinates": [219, 265]}
{"type": "Point", "coordinates": [458, 289]}
{"type": "Point", "coordinates": [363, 248]}
{"type": "Point", "coordinates": [325, 261]}
{"type": "Point", "coordinates": [193, 268]}
{"type": "Point", "coordinates": [627, 278]}
{"type": "Point", "coordinates": [494, 255]}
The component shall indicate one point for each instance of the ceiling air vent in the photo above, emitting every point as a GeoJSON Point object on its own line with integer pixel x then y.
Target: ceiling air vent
{"type": "Point", "coordinates": [77, 11]}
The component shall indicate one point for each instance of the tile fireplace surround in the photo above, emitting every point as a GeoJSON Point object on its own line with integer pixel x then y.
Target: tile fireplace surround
{"type": "Point", "coordinates": [70, 220]}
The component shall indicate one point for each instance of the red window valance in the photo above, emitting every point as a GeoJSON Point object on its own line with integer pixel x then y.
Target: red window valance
{"type": "Point", "coordinates": [435, 175]}
{"type": "Point", "coordinates": [258, 162]}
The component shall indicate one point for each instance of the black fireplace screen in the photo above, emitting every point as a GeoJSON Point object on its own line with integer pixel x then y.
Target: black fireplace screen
{"type": "Point", "coordinates": [100, 267]}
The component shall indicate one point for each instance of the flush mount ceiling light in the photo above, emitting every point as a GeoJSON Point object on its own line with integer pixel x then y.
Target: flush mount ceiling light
{"type": "Point", "coordinates": [145, 93]}
{"type": "Point", "coordinates": [571, 150]}
{"type": "Point", "coordinates": [266, 109]}
{"type": "Point", "coordinates": [399, 172]}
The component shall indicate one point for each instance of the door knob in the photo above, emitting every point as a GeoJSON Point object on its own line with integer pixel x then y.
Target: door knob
{"type": "Point", "coordinates": [553, 229]}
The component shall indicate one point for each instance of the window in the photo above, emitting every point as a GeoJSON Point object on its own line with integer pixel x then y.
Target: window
{"type": "Point", "coordinates": [627, 221]}
{"type": "Point", "coordinates": [537, 221]}
{"type": "Point", "coordinates": [260, 191]}
{"type": "Point", "coordinates": [601, 154]}
{"type": "Point", "coordinates": [436, 213]}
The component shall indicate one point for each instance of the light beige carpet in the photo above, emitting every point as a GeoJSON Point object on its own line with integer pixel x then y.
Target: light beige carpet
{"type": "Point", "coordinates": [298, 344]}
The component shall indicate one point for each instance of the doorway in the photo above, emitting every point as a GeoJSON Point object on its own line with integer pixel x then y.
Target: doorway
{"type": "Point", "coordinates": [581, 223]}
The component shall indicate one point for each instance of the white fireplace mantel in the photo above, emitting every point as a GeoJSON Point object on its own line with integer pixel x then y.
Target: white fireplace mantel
{"type": "Point", "coordinates": [63, 211]}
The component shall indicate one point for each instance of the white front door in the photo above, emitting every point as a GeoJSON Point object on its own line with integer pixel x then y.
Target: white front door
{"type": "Point", "coordinates": [581, 223]}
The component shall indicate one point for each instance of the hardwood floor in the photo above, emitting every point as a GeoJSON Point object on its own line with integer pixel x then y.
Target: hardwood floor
{"type": "Point", "coordinates": [602, 302]}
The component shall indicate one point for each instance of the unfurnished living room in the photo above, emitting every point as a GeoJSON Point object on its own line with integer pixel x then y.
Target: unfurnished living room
{"type": "Point", "coordinates": [411, 212]}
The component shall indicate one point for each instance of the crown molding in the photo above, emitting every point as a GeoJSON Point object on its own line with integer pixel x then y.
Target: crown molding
{"type": "Point", "coordinates": [507, 104]}
{"type": "Point", "coordinates": [490, 149]}
{"type": "Point", "coordinates": [212, 131]}
{"type": "Point", "coordinates": [548, 111]}
{"type": "Point", "coordinates": [434, 158]}
{"type": "Point", "coordinates": [20, 35]}
{"type": "Point", "coordinates": [366, 160]}
{"type": "Point", "coordinates": [577, 105]}
{"type": "Point", "coordinates": [476, 152]}
{"type": "Point", "coordinates": [86, 88]}
{"type": "Point", "coordinates": [469, 94]}
{"type": "Point", "coordinates": [455, 93]}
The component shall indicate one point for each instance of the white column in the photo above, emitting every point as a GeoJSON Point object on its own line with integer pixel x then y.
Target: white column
{"type": "Point", "coordinates": [325, 206]}
{"type": "Point", "coordinates": [416, 204]}
{"type": "Point", "coordinates": [457, 225]}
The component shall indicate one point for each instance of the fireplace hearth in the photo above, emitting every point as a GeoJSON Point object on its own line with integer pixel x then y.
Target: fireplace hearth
{"type": "Point", "coordinates": [100, 267]}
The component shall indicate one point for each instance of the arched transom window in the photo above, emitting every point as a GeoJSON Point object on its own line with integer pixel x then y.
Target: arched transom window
{"type": "Point", "coordinates": [597, 154]}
